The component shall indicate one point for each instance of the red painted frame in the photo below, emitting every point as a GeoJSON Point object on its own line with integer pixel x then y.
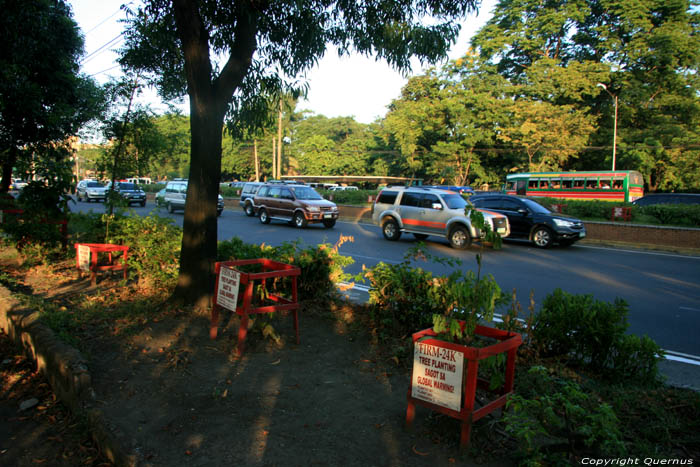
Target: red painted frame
{"type": "Point", "coordinates": [95, 250]}
{"type": "Point", "coordinates": [509, 342]}
{"type": "Point", "coordinates": [270, 269]}
{"type": "Point", "coordinates": [624, 213]}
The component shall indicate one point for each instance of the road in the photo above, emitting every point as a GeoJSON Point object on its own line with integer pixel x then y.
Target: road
{"type": "Point", "coordinates": [662, 289]}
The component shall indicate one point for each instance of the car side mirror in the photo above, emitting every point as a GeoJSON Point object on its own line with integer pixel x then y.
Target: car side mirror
{"type": "Point", "coordinates": [437, 206]}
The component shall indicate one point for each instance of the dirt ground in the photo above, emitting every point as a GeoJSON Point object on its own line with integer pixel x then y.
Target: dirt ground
{"type": "Point", "coordinates": [174, 397]}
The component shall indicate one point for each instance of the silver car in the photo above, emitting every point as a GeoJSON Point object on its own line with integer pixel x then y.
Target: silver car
{"type": "Point", "coordinates": [430, 211]}
{"type": "Point", "coordinates": [90, 190]}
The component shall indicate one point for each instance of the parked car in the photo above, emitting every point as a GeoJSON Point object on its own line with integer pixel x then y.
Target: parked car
{"type": "Point", "coordinates": [430, 211]}
{"type": "Point", "coordinates": [175, 197]}
{"type": "Point", "coordinates": [297, 204]}
{"type": "Point", "coordinates": [90, 190]}
{"type": "Point", "coordinates": [667, 198]}
{"type": "Point", "coordinates": [130, 191]}
{"type": "Point", "coordinates": [18, 184]}
{"type": "Point", "coordinates": [530, 220]}
{"type": "Point", "coordinates": [247, 194]}
{"type": "Point", "coordinates": [343, 188]}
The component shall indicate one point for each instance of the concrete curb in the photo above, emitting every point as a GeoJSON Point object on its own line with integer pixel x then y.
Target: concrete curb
{"type": "Point", "coordinates": [66, 370]}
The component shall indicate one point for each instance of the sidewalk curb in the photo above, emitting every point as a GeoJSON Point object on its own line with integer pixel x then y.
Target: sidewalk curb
{"type": "Point", "coordinates": [66, 370]}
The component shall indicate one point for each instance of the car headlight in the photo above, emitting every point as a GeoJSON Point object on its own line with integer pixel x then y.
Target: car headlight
{"type": "Point", "coordinates": [334, 208]}
{"type": "Point", "coordinates": [563, 223]}
{"type": "Point", "coordinates": [314, 209]}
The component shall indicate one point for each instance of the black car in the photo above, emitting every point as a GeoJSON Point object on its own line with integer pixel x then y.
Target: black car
{"type": "Point", "coordinates": [532, 221]}
{"type": "Point", "coordinates": [130, 191]}
{"type": "Point", "coordinates": [667, 198]}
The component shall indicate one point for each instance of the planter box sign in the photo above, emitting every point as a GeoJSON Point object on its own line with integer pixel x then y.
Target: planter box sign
{"type": "Point", "coordinates": [84, 258]}
{"type": "Point", "coordinates": [437, 375]}
{"type": "Point", "coordinates": [229, 283]}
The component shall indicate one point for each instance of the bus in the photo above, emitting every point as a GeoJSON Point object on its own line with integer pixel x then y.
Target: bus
{"type": "Point", "coordinates": [616, 185]}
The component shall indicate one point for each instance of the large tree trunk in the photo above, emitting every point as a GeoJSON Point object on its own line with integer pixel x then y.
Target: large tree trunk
{"type": "Point", "coordinates": [199, 241]}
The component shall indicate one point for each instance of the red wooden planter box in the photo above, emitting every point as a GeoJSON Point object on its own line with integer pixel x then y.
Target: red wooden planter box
{"type": "Point", "coordinates": [270, 269]}
{"type": "Point", "coordinates": [97, 248]}
{"type": "Point", "coordinates": [508, 343]}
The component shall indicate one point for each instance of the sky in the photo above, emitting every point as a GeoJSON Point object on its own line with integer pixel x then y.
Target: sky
{"type": "Point", "coordinates": [354, 86]}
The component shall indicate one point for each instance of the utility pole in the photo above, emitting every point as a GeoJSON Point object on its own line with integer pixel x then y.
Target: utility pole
{"type": "Point", "coordinates": [279, 142]}
{"type": "Point", "coordinates": [614, 97]}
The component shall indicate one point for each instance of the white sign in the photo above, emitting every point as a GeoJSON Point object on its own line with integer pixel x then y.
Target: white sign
{"type": "Point", "coordinates": [229, 283]}
{"type": "Point", "coordinates": [437, 375]}
{"type": "Point", "coordinates": [84, 257]}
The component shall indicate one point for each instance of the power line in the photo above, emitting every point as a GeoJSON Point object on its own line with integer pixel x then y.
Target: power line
{"type": "Point", "coordinates": [104, 71]}
{"type": "Point", "coordinates": [104, 21]}
{"type": "Point", "coordinates": [101, 49]}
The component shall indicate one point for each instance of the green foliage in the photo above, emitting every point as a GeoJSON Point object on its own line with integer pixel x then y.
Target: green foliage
{"type": "Point", "coordinates": [352, 198]}
{"type": "Point", "coordinates": [154, 244]}
{"type": "Point", "coordinates": [687, 215]}
{"type": "Point", "coordinates": [589, 333]}
{"type": "Point", "coordinates": [322, 267]}
{"type": "Point", "coordinates": [405, 299]}
{"type": "Point", "coordinates": [555, 422]}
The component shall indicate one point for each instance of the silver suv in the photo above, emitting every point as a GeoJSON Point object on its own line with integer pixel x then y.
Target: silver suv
{"type": "Point", "coordinates": [430, 211]}
{"type": "Point", "coordinates": [176, 196]}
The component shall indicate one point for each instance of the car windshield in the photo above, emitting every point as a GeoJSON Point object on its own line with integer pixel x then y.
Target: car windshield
{"type": "Point", "coordinates": [127, 186]}
{"type": "Point", "coordinates": [536, 207]}
{"type": "Point", "coordinates": [454, 201]}
{"type": "Point", "coordinates": [94, 185]}
{"type": "Point", "coordinates": [305, 192]}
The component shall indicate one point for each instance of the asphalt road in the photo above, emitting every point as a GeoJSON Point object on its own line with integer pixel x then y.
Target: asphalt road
{"type": "Point", "coordinates": [662, 289]}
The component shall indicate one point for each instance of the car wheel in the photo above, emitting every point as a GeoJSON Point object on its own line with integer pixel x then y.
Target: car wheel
{"type": "Point", "coordinates": [390, 229]}
{"type": "Point", "coordinates": [459, 237]}
{"type": "Point", "coordinates": [143, 203]}
{"type": "Point", "coordinates": [420, 236]}
{"type": "Point", "coordinates": [218, 213]}
{"type": "Point", "coordinates": [542, 237]}
{"type": "Point", "coordinates": [170, 208]}
{"type": "Point", "coordinates": [300, 220]}
{"type": "Point", "coordinates": [248, 209]}
{"type": "Point", "coordinates": [329, 224]}
{"type": "Point", "coordinates": [264, 218]}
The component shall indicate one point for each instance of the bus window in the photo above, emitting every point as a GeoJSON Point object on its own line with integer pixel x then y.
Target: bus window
{"type": "Point", "coordinates": [605, 183]}
{"type": "Point", "coordinates": [578, 184]}
{"type": "Point", "coordinates": [617, 184]}
{"type": "Point", "coordinates": [532, 183]}
{"type": "Point", "coordinates": [567, 183]}
{"type": "Point", "coordinates": [591, 183]}
{"type": "Point", "coordinates": [510, 186]}
{"type": "Point", "coordinates": [544, 184]}
{"type": "Point", "coordinates": [556, 184]}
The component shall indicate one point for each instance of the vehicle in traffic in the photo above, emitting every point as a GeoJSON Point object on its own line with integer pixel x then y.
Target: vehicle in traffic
{"type": "Point", "coordinates": [531, 221]}
{"type": "Point", "coordinates": [298, 204]}
{"type": "Point", "coordinates": [90, 190]}
{"type": "Point", "coordinates": [343, 188]}
{"type": "Point", "coordinates": [461, 189]}
{"type": "Point", "coordinates": [247, 194]}
{"type": "Point", "coordinates": [431, 211]}
{"type": "Point", "coordinates": [175, 197]}
{"type": "Point", "coordinates": [130, 192]}
{"type": "Point", "coordinates": [139, 180]}
{"type": "Point", "coordinates": [667, 198]}
{"type": "Point", "coordinates": [18, 184]}
{"type": "Point", "coordinates": [160, 198]}
{"type": "Point", "coordinates": [616, 185]}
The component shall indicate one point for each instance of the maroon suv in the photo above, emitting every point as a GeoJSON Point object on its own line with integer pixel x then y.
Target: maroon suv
{"type": "Point", "coordinates": [298, 204]}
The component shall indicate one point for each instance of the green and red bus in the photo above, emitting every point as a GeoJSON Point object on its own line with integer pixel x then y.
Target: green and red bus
{"type": "Point", "coordinates": [606, 185]}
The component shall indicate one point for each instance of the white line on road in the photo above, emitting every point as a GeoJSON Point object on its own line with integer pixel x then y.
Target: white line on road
{"type": "Point", "coordinates": [689, 308]}
{"type": "Point", "coordinates": [641, 252]}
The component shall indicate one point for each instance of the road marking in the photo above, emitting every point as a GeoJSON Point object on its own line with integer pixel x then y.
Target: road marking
{"type": "Point", "coordinates": [689, 308]}
{"type": "Point", "coordinates": [652, 253]}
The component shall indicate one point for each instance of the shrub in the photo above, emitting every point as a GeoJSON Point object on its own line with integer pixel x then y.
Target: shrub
{"type": "Point", "coordinates": [687, 215]}
{"type": "Point", "coordinates": [591, 333]}
{"type": "Point", "coordinates": [358, 197]}
{"type": "Point", "coordinates": [555, 422]}
{"type": "Point", "coordinates": [321, 266]}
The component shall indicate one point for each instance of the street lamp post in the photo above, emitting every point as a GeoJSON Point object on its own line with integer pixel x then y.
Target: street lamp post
{"type": "Point", "coordinates": [615, 125]}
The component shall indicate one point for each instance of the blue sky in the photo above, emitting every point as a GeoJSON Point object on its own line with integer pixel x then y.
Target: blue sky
{"type": "Point", "coordinates": [352, 86]}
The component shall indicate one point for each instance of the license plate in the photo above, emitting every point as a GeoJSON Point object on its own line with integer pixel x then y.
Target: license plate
{"type": "Point", "coordinates": [327, 216]}
{"type": "Point", "coordinates": [582, 234]}
{"type": "Point", "coordinates": [501, 231]}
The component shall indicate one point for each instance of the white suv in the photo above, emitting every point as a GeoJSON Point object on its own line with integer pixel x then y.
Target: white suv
{"type": "Point", "coordinates": [176, 196]}
{"type": "Point", "coordinates": [430, 211]}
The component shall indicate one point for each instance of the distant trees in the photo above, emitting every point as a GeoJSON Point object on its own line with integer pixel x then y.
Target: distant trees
{"type": "Point", "coordinates": [43, 97]}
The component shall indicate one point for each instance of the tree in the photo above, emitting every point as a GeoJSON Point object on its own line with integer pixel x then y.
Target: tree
{"type": "Point", "coordinates": [261, 43]}
{"type": "Point", "coordinates": [43, 98]}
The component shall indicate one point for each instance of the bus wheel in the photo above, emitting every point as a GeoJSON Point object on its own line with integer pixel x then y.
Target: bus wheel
{"type": "Point", "coordinates": [542, 237]}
